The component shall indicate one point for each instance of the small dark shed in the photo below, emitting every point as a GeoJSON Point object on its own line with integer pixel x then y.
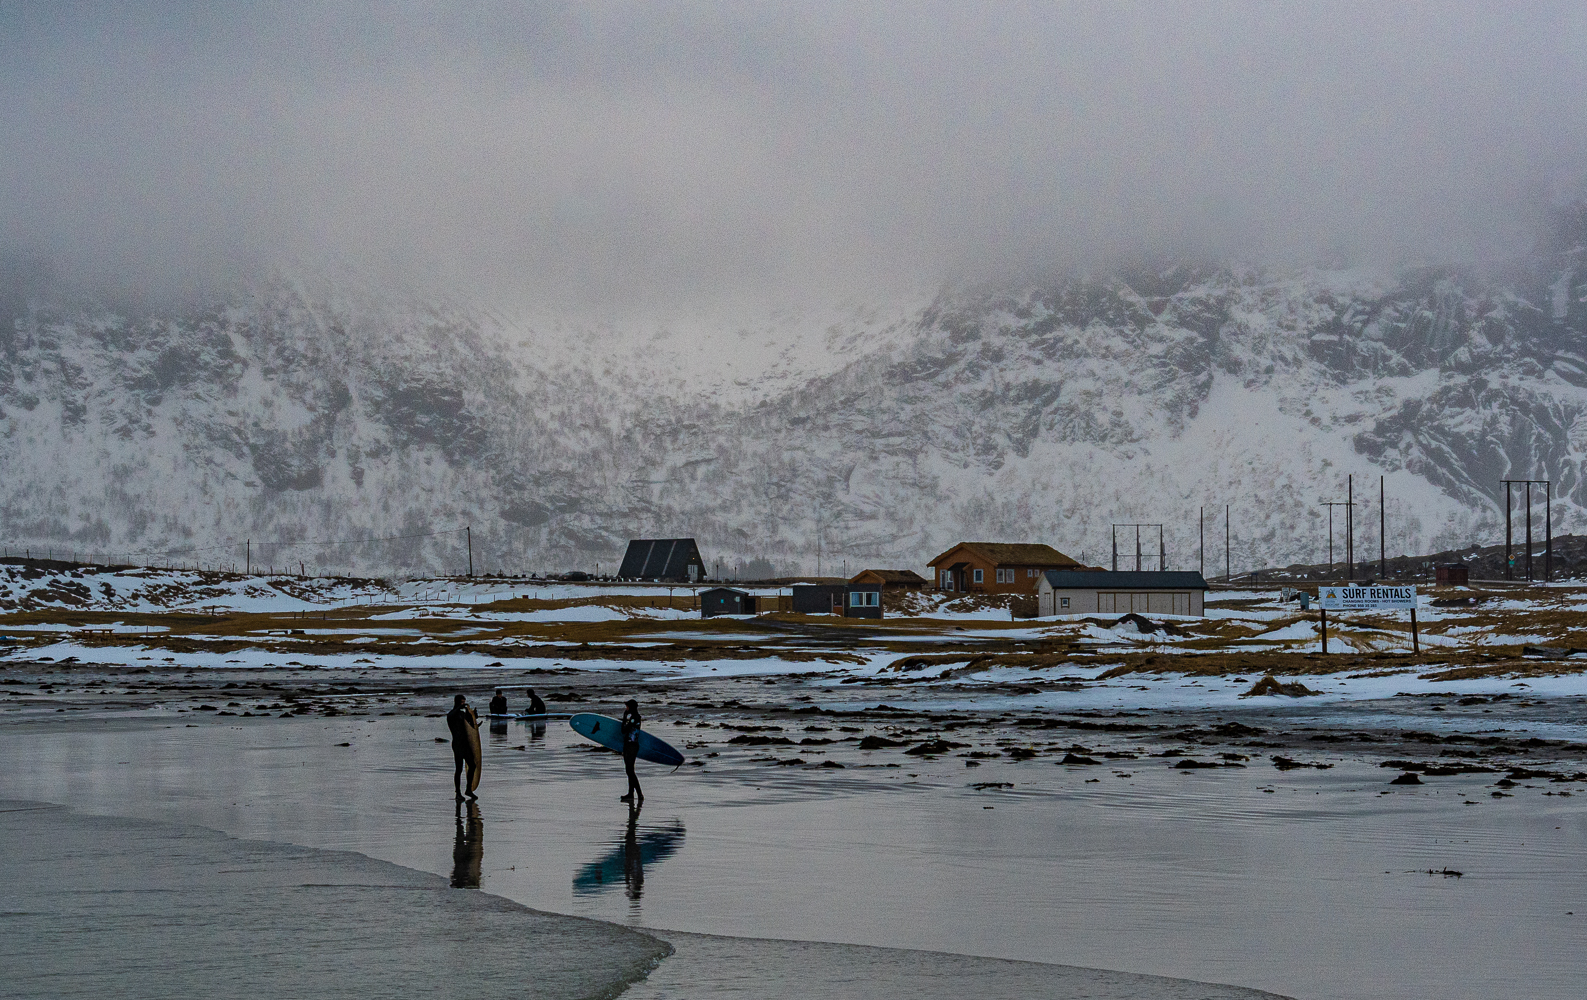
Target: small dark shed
{"type": "Point", "coordinates": [1453, 575]}
{"type": "Point", "coordinates": [865, 601]}
{"type": "Point", "coordinates": [819, 598]}
{"type": "Point", "coordinates": [675, 559]}
{"type": "Point", "coordinates": [726, 601]}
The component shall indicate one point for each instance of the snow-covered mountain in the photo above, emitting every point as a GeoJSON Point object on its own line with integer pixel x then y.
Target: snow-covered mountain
{"type": "Point", "coordinates": [314, 419]}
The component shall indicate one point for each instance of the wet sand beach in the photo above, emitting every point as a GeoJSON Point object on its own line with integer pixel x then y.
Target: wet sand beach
{"type": "Point", "coordinates": [1069, 839]}
{"type": "Point", "coordinates": [97, 906]}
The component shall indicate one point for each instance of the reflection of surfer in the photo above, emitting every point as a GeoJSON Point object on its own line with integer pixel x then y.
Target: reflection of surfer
{"type": "Point", "coordinates": [536, 706]}
{"type": "Point", "coordinates": [468, 849]}
{"type": "Point", "coordinates": [633, 862]}
{"type": "Point", "coordinates": [498, 704]}
{"type": "Point", "coordinates": [631, 723]}
{"type": "Point", "coordinates": [464, 725]}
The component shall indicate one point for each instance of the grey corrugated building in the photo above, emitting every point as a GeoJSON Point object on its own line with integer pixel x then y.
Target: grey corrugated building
{"type": "Point", "coordinates": [819, 598]}
{"type": "Point", "coordinates": [663, 559]}
{"type": "Point", "coordinates": [1061, 592]}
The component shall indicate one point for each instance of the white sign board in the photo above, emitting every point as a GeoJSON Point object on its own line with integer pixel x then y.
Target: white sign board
{"type": "Point", "coordinates": [1366, 598]}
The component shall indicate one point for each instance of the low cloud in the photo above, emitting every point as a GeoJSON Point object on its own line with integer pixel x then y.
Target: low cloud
{"type": "Point", "coordinates": [636, 156]}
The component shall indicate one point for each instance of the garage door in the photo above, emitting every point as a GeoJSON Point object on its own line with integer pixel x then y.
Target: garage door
{"type": "Point", "coordinates": [1162, 602]}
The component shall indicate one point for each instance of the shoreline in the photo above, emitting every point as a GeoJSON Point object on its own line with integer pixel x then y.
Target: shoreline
{"type": "Point", "coordinates": [769, 837]}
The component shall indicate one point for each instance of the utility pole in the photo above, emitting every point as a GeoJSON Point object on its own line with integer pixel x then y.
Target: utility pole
{"type": "Point", "coordinates": [247, 557]}
{"type": "Point", "coordinates": [1201, 546]}
{"type": "Point", "coordinates": [1225, 543]}
{"type": "Point", "coordinates": [1509, 530]}
{"type": "Point", "coordinates": [468, 532]}
{"type": "Point", "coordinates": [1162, 545]}
{"type": "Point", "coordinates": [1331, 504]}
{"type": "Point", "coordinates": [1383, 522]}
{"type": "Point", "coordinates": [1350, 529]}
{"type": "Point", "coordinates": [1528, 532]}
{"type": "Point", "coordinates": [1509, 561]}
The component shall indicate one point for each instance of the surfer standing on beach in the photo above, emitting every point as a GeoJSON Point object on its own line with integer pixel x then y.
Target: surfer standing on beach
{"type": "Point", "coordinates": [465, 742]}
{"type": "Point", "coordinates": [631, 722]}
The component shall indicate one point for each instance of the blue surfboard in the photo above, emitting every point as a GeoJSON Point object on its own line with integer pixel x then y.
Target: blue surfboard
{"type": "Point", "coordinates": [608, 732]}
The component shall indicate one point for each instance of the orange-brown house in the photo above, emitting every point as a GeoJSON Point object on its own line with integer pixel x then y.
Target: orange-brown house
{"type": "Point", "coordinates": [997, 567]}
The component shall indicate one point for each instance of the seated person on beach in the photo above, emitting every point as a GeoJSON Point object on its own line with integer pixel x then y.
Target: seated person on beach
{"type": "Point", "coordinates": [458, 721]}
{"type": "Point", "coordinates": [536, 706]}
{"type": "Point", "coordinates": [498, 704]}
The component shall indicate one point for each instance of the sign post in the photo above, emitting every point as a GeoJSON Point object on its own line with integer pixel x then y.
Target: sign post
{"type": "Point", "coordinates": [1368, 599]}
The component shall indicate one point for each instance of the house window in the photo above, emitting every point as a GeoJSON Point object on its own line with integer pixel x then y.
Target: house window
{"type": "Point", "coordinates": [864, 599]}
{"type": "Point", "coordinates": [1030, 573]}
{"type": "Point", "coordinates": [947, 579]}
{"type": "Point", "coordinates": [1063, 602]}
{"type": "Point", "coordinates": [980, 576]}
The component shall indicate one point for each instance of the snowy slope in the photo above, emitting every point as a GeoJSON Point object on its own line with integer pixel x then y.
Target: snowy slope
{"type": "Point", "coordinates": [350, 429]}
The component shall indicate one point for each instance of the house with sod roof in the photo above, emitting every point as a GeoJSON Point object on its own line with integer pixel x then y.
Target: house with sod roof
{"type": "Point", "coordinates": [997, 567]}
{"type": "Point", "coordinates": [891, 579]}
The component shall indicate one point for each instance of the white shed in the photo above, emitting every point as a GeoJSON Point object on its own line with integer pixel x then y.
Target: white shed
{"type": "Point", "coordinates": [1063, 592]}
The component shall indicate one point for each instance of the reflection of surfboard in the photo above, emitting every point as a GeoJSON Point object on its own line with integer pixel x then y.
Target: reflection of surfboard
{"type": "Point", "coordinates": [608, 732]}
{"type": "Point", "coordinates": [653, 846]}
{"type": "Point", "coordinates": [539, 715]}
{"type": "Point", "coordinates": [475, 755]}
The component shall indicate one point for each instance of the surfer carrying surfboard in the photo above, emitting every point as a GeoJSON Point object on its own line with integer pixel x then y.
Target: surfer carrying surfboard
{"type": "Point", "coordinates": [631, 722]}
{"type": "Point", "coordinates": [464, 725]}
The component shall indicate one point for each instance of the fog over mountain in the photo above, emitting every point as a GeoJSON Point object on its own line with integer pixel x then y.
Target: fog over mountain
{"type": "Point", "coordinates": [794, 281]}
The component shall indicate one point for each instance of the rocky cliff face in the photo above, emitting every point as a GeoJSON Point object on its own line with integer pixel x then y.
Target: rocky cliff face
{"type": "Point", "coordinates": [316, 421]}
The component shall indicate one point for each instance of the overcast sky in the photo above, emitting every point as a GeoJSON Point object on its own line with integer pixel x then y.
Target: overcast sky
{"type": "Point", "coordinates": [623, 156]}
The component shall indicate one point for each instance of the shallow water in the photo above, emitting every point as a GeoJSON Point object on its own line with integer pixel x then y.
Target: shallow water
{"type": "Point", "coordinates": [1315, 889]}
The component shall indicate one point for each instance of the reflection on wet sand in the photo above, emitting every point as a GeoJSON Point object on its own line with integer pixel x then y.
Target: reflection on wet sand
{"type": "Point", "coordinates": [468, 848]}
{"type": "Point", "coordinates": [625, 863]}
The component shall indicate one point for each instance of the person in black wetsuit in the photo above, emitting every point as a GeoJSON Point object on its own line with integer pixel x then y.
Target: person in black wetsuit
{"type": "Point", "coordinates": [631, 723]}
{"type": "Point", "coordinates": [458, 721]}
{"type": "Point", "coordinates": [536, 706]}
{"type": "Point", "coordinates": [498, 704]}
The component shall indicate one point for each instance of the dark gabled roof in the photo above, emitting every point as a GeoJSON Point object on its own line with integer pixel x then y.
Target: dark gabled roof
{"type": "Point", "coordinates": [660, 559]}
{"type": "Point", "coordinates": [892, 575]}
{"type": "Point", "coordinates": [1013, 554]}
{"type": "Point", "coordinates": [1060, 579]}
{"type": "Point", "coordinates": [724, 590]}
